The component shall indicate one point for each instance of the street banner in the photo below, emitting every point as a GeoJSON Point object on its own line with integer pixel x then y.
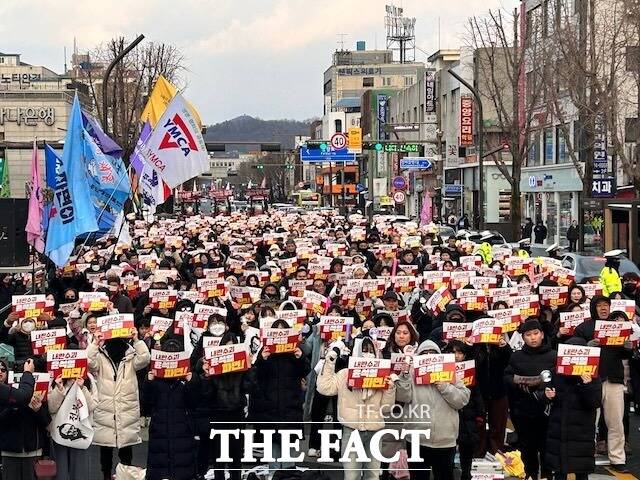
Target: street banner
{"type": "Point", "coordinates": [439, 300]}
{"type": "Point", "coordinates": [577, 360]}
{"type": "Point", "coordinates": [626, 306]}
{"type": "Point", "coordinates": [334, 327]}
{"type": "Point", "coordinates": [315, 303]}
{"type": "Point", "coordinates": [93, 301]}
{"type": "Point", "coordinates": [456, 330]}
{"type": "Point", "coordinates": [68, 363]}
{"type": "Point", "coordinates": [212, 287]}
{"type": "Point", "coordinates": [461, 278]}
{"type": "Point", "coordinates": [159, 325]}
{"type": "Point", "coordinates": [228, 359]}
{"type": "Point", "coordinates": [298, 287]}
{"type": "Point", "coordinates": [175, 148]}
{"type": "Point", "coordinates": [162, 299]}
{"type": "Point", "coordinates": [433, 280]}
{"type": "Point", "coordinates": [31, 306]}
{"type": "Point", "coordinates": [466, 372]}
{"type": "Point", "coordinates": [553, 296]}
{"type": "Point", "coordinates": [170, 364]}
{"type": "Point", "coordinates": [471, 300]}
{"type": "Point", "coordinates": [51, 339]}
{"type": "Point", "coordinates": [403, 284]}
{"type": "Point", "coordinates": [571, 320]}
{"type": "Point", "coordinates": [280, 340]}
{"type": "Point", "coordinates": [368, 372]}
{"type": "Point", "coordinates": [436, 367]}
{"type": "Point", "coordinates": [42, 382]}
{"type": "Point", "coordinates": [529, 305]}
{"type": "Point", "coordinates": [509, 316]}
{"type": "Point", "coordinates": [612, 333]}
{"type": "Point", "coordinates": [120, 325]}
{"type": "Point", "coordinates": [487, 330]}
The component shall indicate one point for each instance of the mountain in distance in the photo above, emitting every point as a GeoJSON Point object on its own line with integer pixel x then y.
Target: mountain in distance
{"type": "Point", "coordinates": [247, 128]}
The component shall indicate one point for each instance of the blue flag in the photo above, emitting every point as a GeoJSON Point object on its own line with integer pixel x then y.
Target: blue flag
{"type": "Point", "coordinates": [50, 159]}
{"type": "Point", "coordinates": [108, 182]}
{"type": "Point", "coordinates": [72, 211]}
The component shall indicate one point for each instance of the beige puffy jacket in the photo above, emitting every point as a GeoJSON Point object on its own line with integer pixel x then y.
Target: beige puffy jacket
{"type": "Point", "coordinates": [116, 417]}
{"type": "Point", "coordinates": [358, 408]}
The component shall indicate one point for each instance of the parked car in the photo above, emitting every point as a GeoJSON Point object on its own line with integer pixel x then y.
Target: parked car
{"type": "Point", "coordinates": [474, 236]}
{"type": "Point", "coordinates": [587, 266]}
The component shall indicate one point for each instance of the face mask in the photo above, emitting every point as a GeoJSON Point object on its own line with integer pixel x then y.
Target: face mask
{"type": "Point", "coordinates": [216, 329]}
{"type": "Point", "coordinates": [629, 288]}
{"type": "Point", "coordinates": [28, 327]}
{"type": "Point", "coordinates": [368, 355]}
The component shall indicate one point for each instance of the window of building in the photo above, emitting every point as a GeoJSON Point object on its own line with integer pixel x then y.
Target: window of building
{"type": "Point", "coordinates": [534, 150]}
{"type": "Point", "coordinates": [565, 215]}
{"type": "Point", "coordinates": [367, 81]}
{"type": "Point", "coordinates": [561, 146]}
{"type": "Point", "coordinates": [422, 112]}
{"type": "Point", "coordinates": [338, 125]}
{"type": "Point", "coordinates": [415, 114]}
{"type": "Point", "coordinates": [548, 146]}
{"type": "Point", "coordinates": [386, 81]}
{"type": "Point", "coordinates": [408, 81]}
{"type": "Point", "coordinates": [403, 119]}
{"type": "Point", "coordinates": [1, 59]}
{"type": "Point", "coordinates": [631, 130]}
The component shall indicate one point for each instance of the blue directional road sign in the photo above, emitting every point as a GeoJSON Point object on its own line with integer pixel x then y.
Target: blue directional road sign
{"type": "Point", "coordinates": [328, 155]}
{"type": "Point", "coordinates": [415, 163]}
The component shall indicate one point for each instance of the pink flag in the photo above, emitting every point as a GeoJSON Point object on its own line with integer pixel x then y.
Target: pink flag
{"type": "Point", "coordinates": [35, 235]}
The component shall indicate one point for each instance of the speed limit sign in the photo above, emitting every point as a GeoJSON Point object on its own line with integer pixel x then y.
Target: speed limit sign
{"type": "Point", "coordinates": [338, 141]}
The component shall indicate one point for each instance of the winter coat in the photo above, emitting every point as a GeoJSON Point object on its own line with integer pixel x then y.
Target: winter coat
{"type": "Point", "coordinates": [172, 446]}
{"type": "Point", "coordinates": [24, 430]}
{"type": "Point", "coordinates": [277, 394]}
{"type": "Point", "coordinates": [117, 415]}
{"type": "Point", "coordinates": [540, 233]}
{"type": "Point", "coordinates": [17, 397]}
{"type": "Point", "coordinates": [471, 418]}
{"type": "Point", "coordinates": [20, 341]}
{"type": "Point", "coordinates": [442, 403]}
{"type": "Point", "coordinates": [358, 408]}
{"type": "Point", "coordinates": [570, 447]}
{"type": "Point", "coordinates": [573, 232]}
{"type": "Point", "coordinates": [122, 303]}
{"type": "Point", "coordinates": [55, 397]}
{"type": "Point", "coordinates": [528, 401]}
{"type": "Point", "coordinates": [491, 362]}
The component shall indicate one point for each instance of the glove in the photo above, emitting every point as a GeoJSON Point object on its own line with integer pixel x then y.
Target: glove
{"type": "Point", "coordinates": [332, 356]}
{"type": "Point", "coordinates": [337, 346]}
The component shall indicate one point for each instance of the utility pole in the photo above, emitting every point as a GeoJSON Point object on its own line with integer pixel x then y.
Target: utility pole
{"type": "Point", "coordinates": [480, 146]}
{"type": "Point", "coordinates": [107, 74]}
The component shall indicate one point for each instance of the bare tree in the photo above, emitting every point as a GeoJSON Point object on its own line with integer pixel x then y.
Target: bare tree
{"type": "Point", "coordinates": [130, 83]}
{"type": "Point", "coordinates": [503, 51]}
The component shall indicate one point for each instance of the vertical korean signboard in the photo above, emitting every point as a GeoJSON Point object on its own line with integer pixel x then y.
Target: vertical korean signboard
{"type": "Point", "coordinates": [466, 121]}
{"type": "Point", "coordinates": [383, 113]}
{"type": "Point", "coordinates": [430, 93]}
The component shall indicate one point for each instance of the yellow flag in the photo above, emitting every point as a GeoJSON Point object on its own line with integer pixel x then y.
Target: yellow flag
{"type": "Point", "coordinates": [162, 93]}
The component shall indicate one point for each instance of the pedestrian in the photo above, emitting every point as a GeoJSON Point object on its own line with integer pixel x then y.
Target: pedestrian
{"type": "Point", "coordinates": [573, 234]}
{"type": "Point", "coordinates": [540, 232]}
{"type": "Point", "coordinates": [609, 275]}
{"type": "Point", "coordinates": [572, 423]}
{"type": "Point", "coordinates": [527, 229]}
{"type": "Point", "coordinates": [463, 222]}
{"type": "Point", "coordinates": [527, 378]}
{"type": "Point", "coordinates": [21, 396]}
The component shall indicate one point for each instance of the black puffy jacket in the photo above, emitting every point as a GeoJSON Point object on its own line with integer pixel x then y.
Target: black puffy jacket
{"type": "Point", "coordinates": [172, 447]}
{"type": "Point", "coordinates": [277, 394]}
{"type": "Point", "coordinates": [528, 401]}
{"type": "Point", "coordinates": [572, 425]}
{"type": "Point", "coordinates": [21, 343]}
{"type": "Point", "coordinates": [491, 362]}
{"type": "Point", "coordinates": [469, 432]}
{"type": "Point", "coordinates": [24, 430]}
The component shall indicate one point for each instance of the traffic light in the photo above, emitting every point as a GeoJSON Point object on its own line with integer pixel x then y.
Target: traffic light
{"type": "Point", "coordinates": [260, 167]}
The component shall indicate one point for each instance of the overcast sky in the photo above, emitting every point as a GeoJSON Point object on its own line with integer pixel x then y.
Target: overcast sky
{"type": "Point", "coordinates": [258, 57]}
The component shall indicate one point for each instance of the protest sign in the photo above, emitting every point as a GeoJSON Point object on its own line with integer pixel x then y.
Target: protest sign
{"type": "Point", "coordinates": [368, 372]}
{"type": "Point", "coordinates": [577, 360]}
{"type": "Point", "coordinates": [67, 363]}
{"type": "Point", "coordinates": [434, 367]}
{"type": "Point", "coordinates": [169, 364]}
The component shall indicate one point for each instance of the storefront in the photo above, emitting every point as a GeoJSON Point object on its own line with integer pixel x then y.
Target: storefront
{"type": "Point", "coordinates": [551, 194]}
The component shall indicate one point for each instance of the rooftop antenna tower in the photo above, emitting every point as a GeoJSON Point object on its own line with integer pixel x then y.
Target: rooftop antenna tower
{"type": "Point", "coordinates": [401, 36]}
{"type": "Point", "coordinates": [341, 41]}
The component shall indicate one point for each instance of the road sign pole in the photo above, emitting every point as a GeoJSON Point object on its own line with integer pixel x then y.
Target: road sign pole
{"type": "Point", "coordinates": [344, 193]}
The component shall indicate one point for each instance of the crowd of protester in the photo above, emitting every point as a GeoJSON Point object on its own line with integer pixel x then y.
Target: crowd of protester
{"type": "Point", "coordinates": [557, 422]}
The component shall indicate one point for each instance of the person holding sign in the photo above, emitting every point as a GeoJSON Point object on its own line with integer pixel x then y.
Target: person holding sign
{"type": "Point", "coordinates": [527, 381]}
{"type": "Point", "coordinates": [114, 363]}
{"type": "Point", "coordinates": [18, 336]}
{"type": "Point", "coordinates": [611, 372]}
{"type": "Point", "coordinates": [359, 409]}
{"type": "Point", "coordinates": [21, 396]}
{"type": "Point", "coordinates": [572, 423]}
{"type": "Point", "coordinates": [171, 452]}
{"type": "Point", "coordinates": [443, 400]}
